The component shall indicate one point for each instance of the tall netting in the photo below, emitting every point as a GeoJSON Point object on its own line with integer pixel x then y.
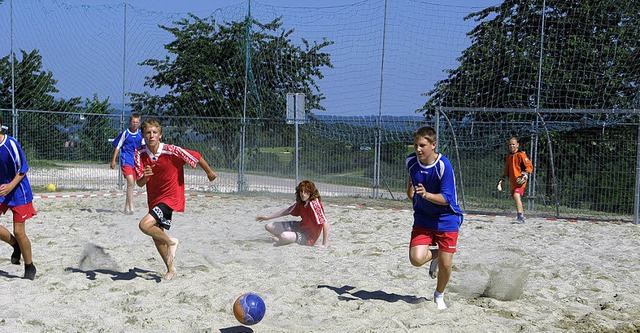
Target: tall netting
{"type": "Point", "coordinates": [562, 76]}
{"type": "Point", "coordinates": [579, 166]}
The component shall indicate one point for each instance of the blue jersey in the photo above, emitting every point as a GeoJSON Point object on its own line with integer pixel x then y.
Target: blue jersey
{"type": "Point", "coordinates": [436, 178]}
{"type": "Point", "coordinates": [127, 142]}
{"type": "Point", "coordinates": [12, 162]}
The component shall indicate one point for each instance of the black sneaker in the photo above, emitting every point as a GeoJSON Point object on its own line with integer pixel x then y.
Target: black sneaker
{"type": "Point", "coordinates": [15, 256]}
{"type": "Point", "coordinates": [29, 271]}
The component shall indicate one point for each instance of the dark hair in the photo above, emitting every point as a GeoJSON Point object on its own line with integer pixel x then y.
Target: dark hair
{"type": "Point", "coordinates": [307, 186]}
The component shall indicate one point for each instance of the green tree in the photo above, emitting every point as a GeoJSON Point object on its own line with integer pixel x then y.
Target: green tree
{"type": "Point", "coordinates": [588, 57]}
{"type": "Point", "coordinates": [94, 129]}
{"type": "Point", "coordinates": [205, 76]}
{"type": "Point", "coordinates": [34, 89]}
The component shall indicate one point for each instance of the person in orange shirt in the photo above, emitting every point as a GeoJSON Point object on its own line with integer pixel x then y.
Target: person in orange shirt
{"type": "Point", "coordinates": [517, 168]}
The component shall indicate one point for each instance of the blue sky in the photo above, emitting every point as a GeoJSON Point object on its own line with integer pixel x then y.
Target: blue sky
{"type": "Point", "coordinates": [196, 5]}
{"type": "Point", "coordinates": [425, 43]}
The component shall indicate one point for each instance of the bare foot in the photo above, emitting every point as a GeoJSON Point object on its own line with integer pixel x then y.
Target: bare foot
{"type": "Point", "coordinates": [171, 255]}
{"type": "Point", "coordinates": [170, 274]}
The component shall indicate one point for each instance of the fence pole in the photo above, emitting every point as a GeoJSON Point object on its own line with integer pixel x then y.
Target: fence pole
{"type": "Point", "coordinates": [636, 201]}
{"type": "Point", "coordinates": [124, 82]}
{"type": "Point", "coordinates": [377, 163]}
{"type": "Point", "coordinates": [243, 126]}
{"type": "Point", "coordinates": [14, 112]}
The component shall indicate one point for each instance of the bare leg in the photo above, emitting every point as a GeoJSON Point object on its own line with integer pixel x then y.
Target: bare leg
{"type": "Point", "coordinates": [275, 228]}
{"type": "Point", "coordinates": [23, 241]}
{"type": "Point", "coordinates": [444, 273]}
{"type": "Point", "coordinates": [517, 199]}
{"type": "Point", "coordinates": [165, 245]}
{"type": "Point", "coordinates": [128, 206]}
{"type": "Point", "coordinates": [420, 255]}
{"type": "Point", "coordinates": [167, 253]}
{"type": "Point", "coordinates": [25, 248]}
{"type": "Point", "coordinates": [7, 237]}
{"type": "Point", "coordinates": [286, 238]}
{"type": "Point", "coordinates": [445, 260]}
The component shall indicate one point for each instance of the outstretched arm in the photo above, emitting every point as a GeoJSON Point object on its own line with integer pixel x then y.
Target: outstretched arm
{"type": "Point", "coordinates": [283, 212]}
{"type": "Point", "coordinates": [205, 166]}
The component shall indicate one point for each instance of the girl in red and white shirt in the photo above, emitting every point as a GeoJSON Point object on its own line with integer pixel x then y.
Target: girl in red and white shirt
{"type": "Point", "coordinates": [304, 232]}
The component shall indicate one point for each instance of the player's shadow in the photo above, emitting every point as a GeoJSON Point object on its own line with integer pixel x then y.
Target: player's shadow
{"type": "Point", "coordinates": [97, 210]}
{"type": "Point", "coordinates": [345, 294]}
{"type": "Point", "coordinates": [236, 329]}
{"type": "Point", "coordinates": [116, 276]}
{"type": "Point", "coordinates": [9, 275]}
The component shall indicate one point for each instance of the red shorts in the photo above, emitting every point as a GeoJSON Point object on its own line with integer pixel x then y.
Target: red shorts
{"type": "Point", "coordinates": [128, 170]}
{"type": "Point", "coordinates": [446, 240]}
{"type": "Point", "coordinates": [519, 190]}
{"type": "Point", "coordinates": [20, 213]}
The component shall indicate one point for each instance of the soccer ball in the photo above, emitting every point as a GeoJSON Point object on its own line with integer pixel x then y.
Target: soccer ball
{"type": "Point", "coordinates": [50, 188]}
{"type": "Point", "coordinates": [522, 179]}
{"type": "Point", "coordinates": [249, 309]}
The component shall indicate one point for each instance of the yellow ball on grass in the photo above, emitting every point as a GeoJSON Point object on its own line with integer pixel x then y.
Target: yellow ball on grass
{"type": "Point", "coordinates": [50, 188]}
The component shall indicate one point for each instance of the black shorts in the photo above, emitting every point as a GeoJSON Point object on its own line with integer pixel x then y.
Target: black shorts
{"type": "Point", "coordinates": [162, 214]}
{"type": "Point", "coordinates": [292, 226]}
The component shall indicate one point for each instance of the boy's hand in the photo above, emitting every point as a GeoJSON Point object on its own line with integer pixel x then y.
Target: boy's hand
{"type": "Point", "coordinates": [212, 176]}
{"type": "Point", "coordinates": [523, 179]}
{"type": "Point", "coordinates": [500, 182]}
{"type": "Point", "coordinates": [4, 190]}
{"type": "Point", "coordinates": [420, 190]}
{"type": "Point", "coordinates": [148, 171]}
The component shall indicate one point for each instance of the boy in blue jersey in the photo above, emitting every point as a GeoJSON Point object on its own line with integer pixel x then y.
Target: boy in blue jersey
{"type": "Point", "coordinates": [16, 195]}
{"type": "Point", "coordinates": [126, 143]}
{"type": "Point", "coordinates": [437, 216]}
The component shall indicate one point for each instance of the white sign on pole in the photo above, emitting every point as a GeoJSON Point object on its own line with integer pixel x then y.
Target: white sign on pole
{"type": "Point", "coordinates": [295, 108]}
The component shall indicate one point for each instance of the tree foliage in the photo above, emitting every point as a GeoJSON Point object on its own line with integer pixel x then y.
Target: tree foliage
{"type": "Point", "coordinates": [589, 57]}
{"type": "Point", "coordinates": [42, 111]}
{"type": "Point", "coordinates": [209, 65]}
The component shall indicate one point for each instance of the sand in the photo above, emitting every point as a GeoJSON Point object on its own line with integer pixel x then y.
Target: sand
{"type": "Point", "coordinates": [98, 273]}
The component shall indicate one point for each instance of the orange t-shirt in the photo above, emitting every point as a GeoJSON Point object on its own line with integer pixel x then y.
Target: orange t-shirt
{"type": "Point", "coordinates": [515, 164]}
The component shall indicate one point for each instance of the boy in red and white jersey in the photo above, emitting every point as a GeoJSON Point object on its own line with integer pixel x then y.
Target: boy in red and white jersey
{"type": "Point", "coordinates": [160, 167]}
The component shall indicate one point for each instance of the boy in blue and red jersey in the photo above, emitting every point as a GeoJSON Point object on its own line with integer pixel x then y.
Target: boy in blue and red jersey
{"type": "Point", "coordinates": [16, 195]}
{"type": "Point", "coordinates": [437, 216]}
{"type": "Point", "coordinates": [125, 144]}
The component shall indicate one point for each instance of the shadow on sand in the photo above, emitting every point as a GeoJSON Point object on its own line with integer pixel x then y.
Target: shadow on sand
{"type": "Point", "coordinates": [116, 276]}
{"type": "Point", "coordinates": [345, 294]}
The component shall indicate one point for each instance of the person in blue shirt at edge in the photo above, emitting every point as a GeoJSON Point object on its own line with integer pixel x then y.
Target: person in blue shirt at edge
{"type": "Point", "coordinates": [16, 195]}
{"type": "Point", "coordinates": [437, 216]}
{"type": "Point", "coordinates": [126, 143]}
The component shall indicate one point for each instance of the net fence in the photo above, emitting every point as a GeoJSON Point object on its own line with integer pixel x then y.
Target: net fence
{"type": "Point", "coordinates": [218, 80]}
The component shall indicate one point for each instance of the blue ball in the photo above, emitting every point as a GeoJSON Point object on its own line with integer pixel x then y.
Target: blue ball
{"type": "Point", "coordinates": [249, 309]}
